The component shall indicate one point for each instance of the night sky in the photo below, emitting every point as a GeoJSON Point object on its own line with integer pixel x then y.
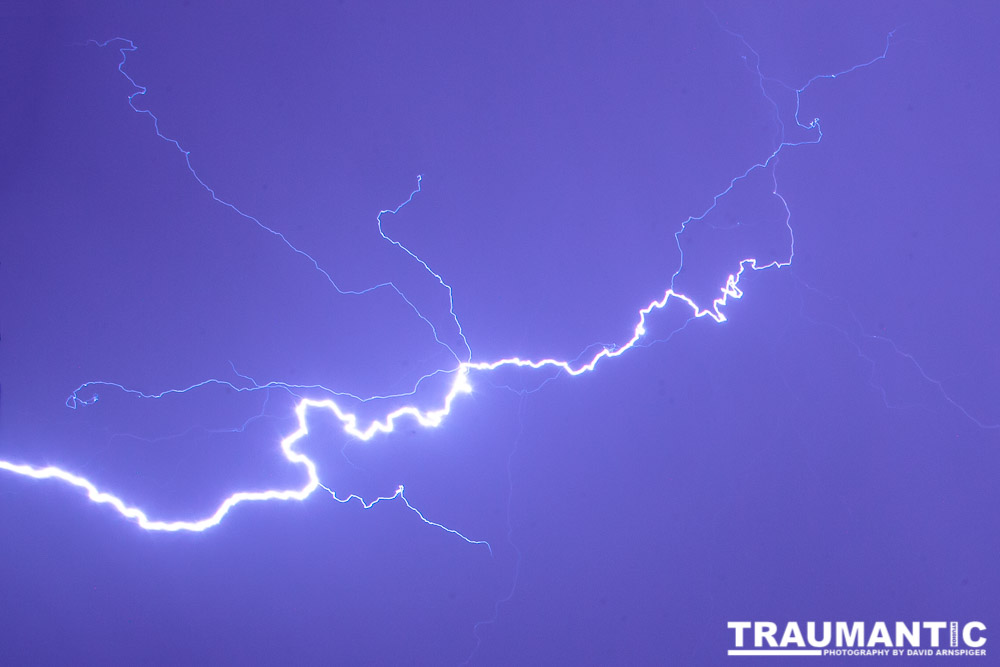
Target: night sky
{"type": "Point", "coordinates": [203, 256]}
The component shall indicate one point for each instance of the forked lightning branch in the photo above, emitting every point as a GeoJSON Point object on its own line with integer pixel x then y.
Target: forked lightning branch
{"type": "Point", "coordinates": [466, 367]}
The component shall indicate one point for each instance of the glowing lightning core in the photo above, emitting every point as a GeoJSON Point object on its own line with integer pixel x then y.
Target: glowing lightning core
{"type": "Point", "coordinates": [460, 383]}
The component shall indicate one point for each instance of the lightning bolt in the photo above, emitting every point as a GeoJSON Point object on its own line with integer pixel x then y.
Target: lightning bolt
{"type": "Point", "coordinates": [465, 367]}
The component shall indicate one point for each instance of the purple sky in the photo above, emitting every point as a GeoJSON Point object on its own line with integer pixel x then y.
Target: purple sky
{"type": "Point", "coordinates": [829, 452]}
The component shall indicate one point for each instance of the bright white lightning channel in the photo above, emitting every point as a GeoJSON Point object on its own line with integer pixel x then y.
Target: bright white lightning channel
{"type": "Point", "coordinates": [461, 373]}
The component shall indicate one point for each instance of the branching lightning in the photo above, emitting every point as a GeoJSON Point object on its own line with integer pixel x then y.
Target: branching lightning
{"type": "Point", "coordinates": [465, 368]}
